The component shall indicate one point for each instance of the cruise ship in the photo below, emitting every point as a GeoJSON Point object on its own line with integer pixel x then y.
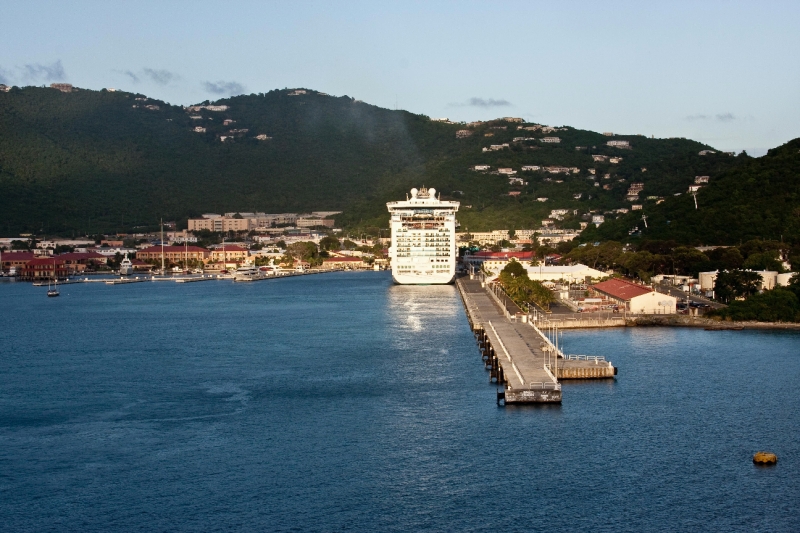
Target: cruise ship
{"type": "Point", "coordinates": [423, 250]}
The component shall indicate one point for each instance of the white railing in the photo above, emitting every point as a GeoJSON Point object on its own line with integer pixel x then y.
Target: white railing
{"type": "Point", "coordinates": [595, 358]}
{"type": "Point", "coordinates": [543, 385]}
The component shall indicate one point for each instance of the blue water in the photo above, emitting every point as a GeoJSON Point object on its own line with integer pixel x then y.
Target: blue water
{"type": "Point", "coordinates": [341, 402]}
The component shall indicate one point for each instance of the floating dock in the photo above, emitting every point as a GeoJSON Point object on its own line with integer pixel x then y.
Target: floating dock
{"type": "Point", "coordinates": [518, 354]}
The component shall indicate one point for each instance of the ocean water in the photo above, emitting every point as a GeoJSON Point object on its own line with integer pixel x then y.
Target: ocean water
{"type": "Point", "coordinates": [342, 402]}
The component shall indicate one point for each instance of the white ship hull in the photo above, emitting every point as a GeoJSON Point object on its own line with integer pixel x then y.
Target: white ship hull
{"type": "Point", "coordinates": [423, 279]}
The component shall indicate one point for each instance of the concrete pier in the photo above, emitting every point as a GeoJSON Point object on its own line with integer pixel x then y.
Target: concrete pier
{"type": "Point", "coordinates": [518, 354]}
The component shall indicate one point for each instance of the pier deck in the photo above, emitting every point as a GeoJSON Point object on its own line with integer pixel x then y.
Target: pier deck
{"type": "Point", "coordinates": [519, 355]}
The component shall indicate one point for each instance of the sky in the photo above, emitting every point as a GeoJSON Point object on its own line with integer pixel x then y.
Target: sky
{"type": "Point", "coordinates": [725, 73]}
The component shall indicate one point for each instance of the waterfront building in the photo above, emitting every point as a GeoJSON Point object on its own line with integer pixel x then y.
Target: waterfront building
{"type": "Point", "coordinates": [173, 253]}
{"type": "Point", "coordinates": [635, 298]}
{"type": "Point", "coordinates": [423, 249]}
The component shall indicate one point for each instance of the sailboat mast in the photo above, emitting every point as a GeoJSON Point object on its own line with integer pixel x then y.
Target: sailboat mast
{"type": "Point", "coordinates": [162, 247]}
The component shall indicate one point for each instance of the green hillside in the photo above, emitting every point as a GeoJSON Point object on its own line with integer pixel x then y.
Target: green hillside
{"type": "Point", "coordinates": [757, 199]}
{"type": "Point", "coordinates": [90, 161]}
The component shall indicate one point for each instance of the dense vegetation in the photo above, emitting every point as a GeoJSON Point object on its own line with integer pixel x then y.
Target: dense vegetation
{"type": "Point", "coordinates": [757, 199]}
{"type": "Point", "coordinates": [781, 304]}
{"type": "Point", "coordinates": [648, 258]}
{"type": "Point", "coordinates": [523, 290]}
{"type": "Point", "coordinates": [89, 161]}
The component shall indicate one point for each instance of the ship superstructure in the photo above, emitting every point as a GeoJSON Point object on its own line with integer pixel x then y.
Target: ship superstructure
{"type": "Point", "coordinates": [423, 247]}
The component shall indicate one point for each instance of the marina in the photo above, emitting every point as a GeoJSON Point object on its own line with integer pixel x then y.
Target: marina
{"type": "Point", "coordinates": [522, 352]}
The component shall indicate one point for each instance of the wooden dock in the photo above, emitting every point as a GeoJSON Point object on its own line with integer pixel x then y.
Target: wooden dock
{"type": "Point", "coordinates": [518, 354]}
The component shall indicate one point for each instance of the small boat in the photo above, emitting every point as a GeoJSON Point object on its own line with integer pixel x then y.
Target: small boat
{"type": "Point", "coordinates": [52, 292]}
{"type": "Point", "coordinates": [248, 273]}
{"type": "Point", "coordinates": [125, 267]}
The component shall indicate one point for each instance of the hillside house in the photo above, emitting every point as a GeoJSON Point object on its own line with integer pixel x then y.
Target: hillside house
{"type": "Point", "coordinates": [704, 152]}
{"type": "Point", "coordinates": [599, 158]}
{"type": "Point", "coordinates": [514, 193]}
{"type": "Point", "coordinates": [598, 219]}
{"type": "Point", "coordinates": [461, 134]}
{"type": "Point", "coordinates": [482, 168]}
{"type": "Point", "coordinates": [63, 87]}
{"type": "Point", "coordinates": [531, 168]}
{"type": "Point", "coordinates": [541, 199]}
{"type": "Point", "coordinates": [507, 171]}
{"type": "Point", "coordinates": [701, 179]}
{"type": "Point", "coordinates": [619, 144]}
{"type": "Point", "coordinates": [263, 137]}
{"type": "Point", "coordinates": [694, 188]}
{"type": "Point", "coordinates": [636, 207]}
{"type": "Point", "coordinates": [551, 140]}
{"type": "Point", "coordinates": [615, 160]}
{"type": "Point", "coordinates": [199, 129]}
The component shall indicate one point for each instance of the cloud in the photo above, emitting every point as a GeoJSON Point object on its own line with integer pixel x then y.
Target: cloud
{"type": "Point", "coordinates": [161, 77]}
{"type": "Point", "coordinates": [224, 87]}
{"type": "Point", "coordinates": [134, 78]}
{"type": "Point", "coordinates": [39, 72]}
{"type": "Point", "coordinates": [484, 102]}
{"type": "Point", "coordinates": [720, 117]}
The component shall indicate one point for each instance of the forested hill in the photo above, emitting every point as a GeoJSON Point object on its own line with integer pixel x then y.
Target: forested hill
{"type": "Point", "coordinates": [90, 161]}
{"type": "Point", "coordinates": [759, 199]}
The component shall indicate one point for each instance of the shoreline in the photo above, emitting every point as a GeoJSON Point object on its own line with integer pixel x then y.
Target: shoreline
{"type": "Point", "coordinates": [697, 322]}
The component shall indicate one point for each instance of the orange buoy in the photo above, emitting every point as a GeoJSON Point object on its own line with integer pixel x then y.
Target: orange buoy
{"type": "Point", "coordinates": [765, 458]}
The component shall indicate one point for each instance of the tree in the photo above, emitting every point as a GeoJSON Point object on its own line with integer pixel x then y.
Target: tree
{"type": "Point", "coordinates": [330, 243]}
{"type": "Point", "coordinates": [732, 284]}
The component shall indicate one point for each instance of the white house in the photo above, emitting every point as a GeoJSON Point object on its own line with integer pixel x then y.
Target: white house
{"type": "Point", "coordinates": [635, 298]}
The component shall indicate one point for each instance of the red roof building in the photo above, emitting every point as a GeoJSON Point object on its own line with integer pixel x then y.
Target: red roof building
{"type": "Point", "coordinates": [481, 257]}
{"type": "Point", "coordinates": [45, 268]}
{"type": "Point", "coordinates": [15, 259]}
{"type": "Point", "coordinates": [636, 298]}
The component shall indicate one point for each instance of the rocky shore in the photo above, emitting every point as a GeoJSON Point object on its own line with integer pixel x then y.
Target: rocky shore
{"type": "Point", "coordinates": [699, 322]}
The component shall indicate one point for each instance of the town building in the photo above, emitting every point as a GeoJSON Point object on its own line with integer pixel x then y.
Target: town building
{"type": "Point", "coordinates": [173, 253]}
{"type": "Point", "coordinates": [551, 140]}
{"type": "Point", "coordinates": [635, 298]}
{"type": "Point", "coordinates": [496, 261]}
{"type": "Point", "coordinates": [569, 273]}
{"type": "Point", "coordinates": [344, 262]}
{"type": "Point", "coordinates": [44, 268]}
{"type": "Point", "coordinates": [14, 261]}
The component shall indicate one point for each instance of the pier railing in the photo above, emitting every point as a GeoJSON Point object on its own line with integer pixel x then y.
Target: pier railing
{"type": "Point", "coordinates": [534, 385]}
{"type": "Point", "coordinates": [595, 358]}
